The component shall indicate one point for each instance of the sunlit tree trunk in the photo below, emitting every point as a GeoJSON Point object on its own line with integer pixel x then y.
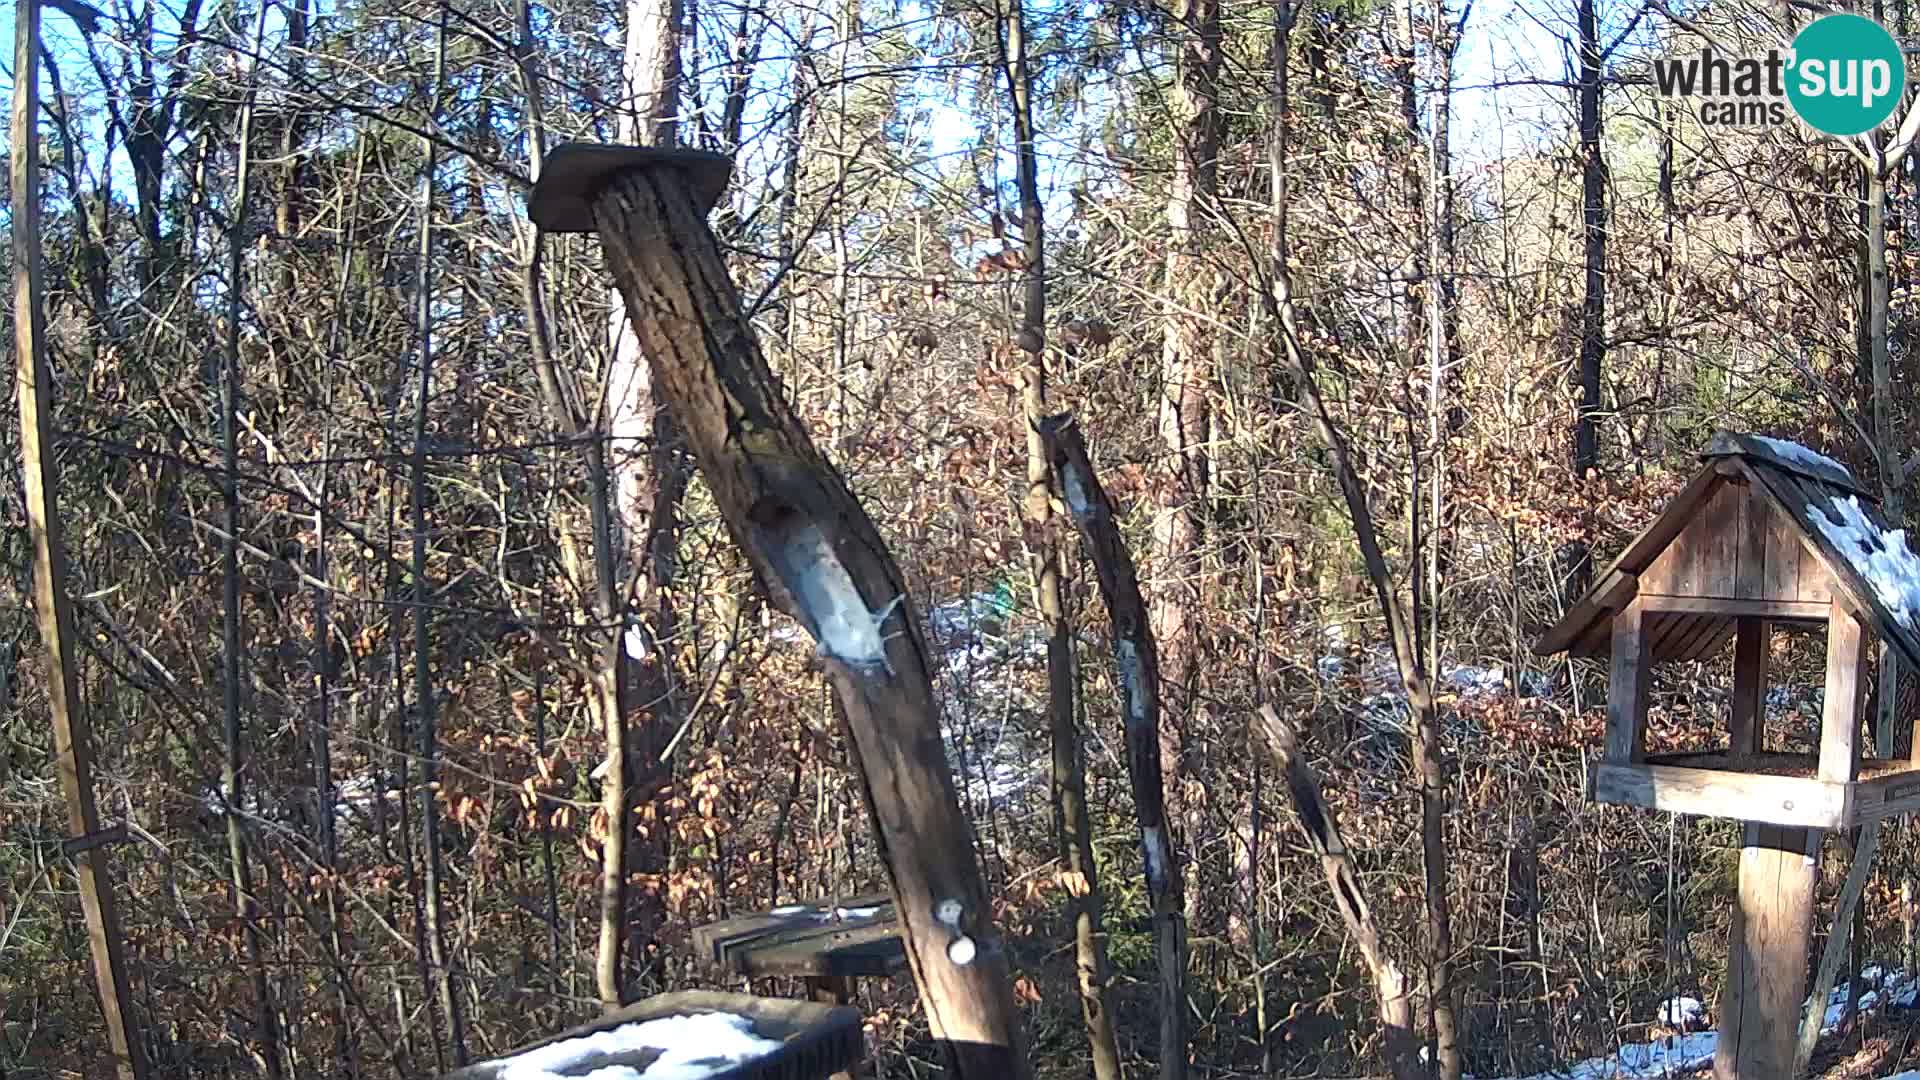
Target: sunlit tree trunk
{"type": "Point", "coordinates": [1187, 378]}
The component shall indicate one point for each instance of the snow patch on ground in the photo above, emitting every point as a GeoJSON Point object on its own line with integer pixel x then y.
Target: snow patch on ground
{"type": "Point", "coordinates": [691, 1047]}
{"type": "Point", "coordinates": [1684, 1054]}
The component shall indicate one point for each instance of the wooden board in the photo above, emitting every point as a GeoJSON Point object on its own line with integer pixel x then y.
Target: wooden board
{"type": "Point", "coordinates": [1846, 685]}
{"type": "Point", "coordinates": [1747, 727]}
{"type": "Point", "coordinates": [1886, 789]}
{"type": "Point", "coordinates": [1723, 793]}
{"type": "Point", "coordinates": [1738, 546]}
{"type": "Point", "coordinates": [1627, 686]}
{"type": "Point", "coordinates": [806, 940]}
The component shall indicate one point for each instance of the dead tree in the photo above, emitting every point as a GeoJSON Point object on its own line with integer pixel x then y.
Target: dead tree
{"type": "Point", "coordinates": [1139, 680]}
{"type": "Point", "coordinates": [53, 612]}
{"type": "Point", "coordinates": [1401, 1050]}
{"type": "Point", "coordinates": [818, 555]}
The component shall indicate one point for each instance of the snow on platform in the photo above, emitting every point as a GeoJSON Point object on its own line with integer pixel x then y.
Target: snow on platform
{"type": "Point", "coordinates": [692, 1047]}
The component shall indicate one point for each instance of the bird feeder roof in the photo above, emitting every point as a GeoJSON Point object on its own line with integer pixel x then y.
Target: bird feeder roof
{"type": "Point", "coordinates": [1762, 518]}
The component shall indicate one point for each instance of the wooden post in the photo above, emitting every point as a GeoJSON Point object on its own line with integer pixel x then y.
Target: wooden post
{"type": "Point", "coordinates": [1767, 954]}
{"type": "Point", "coordinates": [1627, 685]}
{"type": "Point", "coordinates": [819, 556]}
{"type": "Point", "coordinates": [33, 383]}
{"type": "Point", "coordinates": [1840, 715]}
{"type": "Point", "coordinates": [1749, 721]}
{"type": "Point", "coordinates": [833, 990]}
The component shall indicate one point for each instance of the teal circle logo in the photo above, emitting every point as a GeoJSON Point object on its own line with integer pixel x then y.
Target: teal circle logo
{"type": "Point", "coordinates": [1848, 74]}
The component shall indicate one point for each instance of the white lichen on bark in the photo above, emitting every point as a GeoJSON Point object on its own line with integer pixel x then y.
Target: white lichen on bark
{"type": "Point", "coordinates": [830, 603]}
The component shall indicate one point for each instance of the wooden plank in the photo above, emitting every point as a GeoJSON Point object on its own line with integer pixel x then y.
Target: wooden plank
{"type": "Point", "coordinates": [1597, 641]}
{"type": "Point", "coordinates": [807, 940]}
{"type": "Point", "coordinates": [1751, 649]}
{"type": "Point", "coordinates": [1775, 610]}
{"type": "Point", "coordinates": [1840, 714]}
{"type": "Point", "coordinates": [832, 990]}
{"type": "Point", "coordinates": [34, 389]}
{"type": "Point", "coordinates": [1750, 559]}
{"type": "Point", "coordinates": [1784, 551]}
{"type": "Point", "coordinates": [1816, 583]}
{"type": "Point", "coordinates": [1887, 795]}
{"type": "Point", "coordinates": [1714, 643]}
{"type": "Point", "coordinates": [1697, 637]}
{"type": "Point", "coordinates": [1780, 800]}
{"type": "Point", "coordinates": [1716, 543]}
{"type": "Point", "coordinates": [1628, 676]}
{"type": "Point", "coordinates": [1767, 955]}
{"type": "Point", "coordinates": [1665, 633]}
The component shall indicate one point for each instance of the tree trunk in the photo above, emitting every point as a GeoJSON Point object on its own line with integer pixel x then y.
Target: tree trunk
{"type": "Point", "coordinates": [825, 564]}
{"type": "Point", "coordinates": [447, 995]}
{"type": "Point", "coordinates": [1415, 682]}
{"type": "Point", "coordinates": [53, 611]}
{"type": "Point", "coordinates": [1593, 306]}
{"type": "Point", "coordinates": [635, 467]}
{"type": "Point", "coordinates": [1047, 562]}
{"type": "Point", "coordinates": [239, 866]}
{"type": "Point", "coordinates": [1187, 375]}
{"type": "Point", "coordinates": [1399, 1046]}
{"type": "Point", "coordinates": [1138, 677]}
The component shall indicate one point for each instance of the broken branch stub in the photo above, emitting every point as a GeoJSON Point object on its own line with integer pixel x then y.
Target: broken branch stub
{"type": "Point", "coordinates": [822, 561]}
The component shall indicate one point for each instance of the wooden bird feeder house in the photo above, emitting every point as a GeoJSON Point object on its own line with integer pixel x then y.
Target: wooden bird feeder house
{"type": "Point", "coordinates": [1767, 534]}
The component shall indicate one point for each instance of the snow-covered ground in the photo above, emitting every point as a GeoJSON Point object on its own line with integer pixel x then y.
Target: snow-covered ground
{"type": "Point", "coordinates": [1686, 1053]}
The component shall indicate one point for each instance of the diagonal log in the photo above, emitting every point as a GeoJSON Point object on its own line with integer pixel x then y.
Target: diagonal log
{"type": "Point", "coordinates": [1323, 832]}
{"type": "Point", "coordinates": [1139, 681]}
{"type": "Point", "coordinates": [820, 559]}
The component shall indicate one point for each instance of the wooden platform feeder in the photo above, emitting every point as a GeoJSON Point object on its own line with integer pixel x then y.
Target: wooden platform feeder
{"type": "Point", "coordinates": [809, 1041]}
{"type": "Point", "coordinates": [1766, 534]}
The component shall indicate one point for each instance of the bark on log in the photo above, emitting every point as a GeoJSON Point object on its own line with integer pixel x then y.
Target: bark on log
{"type": "Point", "coordinates": [1139, 681]}
{"type": "Point", "coordinates": [823, 562]}
{"type": "Point", "coordinates": [1400, 1048]}
{"type": "Point", "coordinates": [53, 611]}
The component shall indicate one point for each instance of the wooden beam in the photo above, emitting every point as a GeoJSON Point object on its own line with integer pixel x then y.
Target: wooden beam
{"type": "Point", "coordinates": [1840, 715]}
{"type": "Point", "coordinates": [1780, 610]}
{"type": "Point", "coordinates": [1887, 795]}
{"type": "Point", "coordinates": [1747, 729]}
{"type": "Point", "coordinates": [1627, 686]}
{"type": "Point", "coordinates": [822, 561]}
{"type": "Point", "coordinates": [33, 385]}
{"type": "Point", "coordinates": [1780, 800]}
{"type": "Point", "coordinates": [1767, 954]}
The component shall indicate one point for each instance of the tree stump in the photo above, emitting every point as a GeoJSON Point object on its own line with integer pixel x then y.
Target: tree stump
{"type": "Point", "coordinates": [819, 557]}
